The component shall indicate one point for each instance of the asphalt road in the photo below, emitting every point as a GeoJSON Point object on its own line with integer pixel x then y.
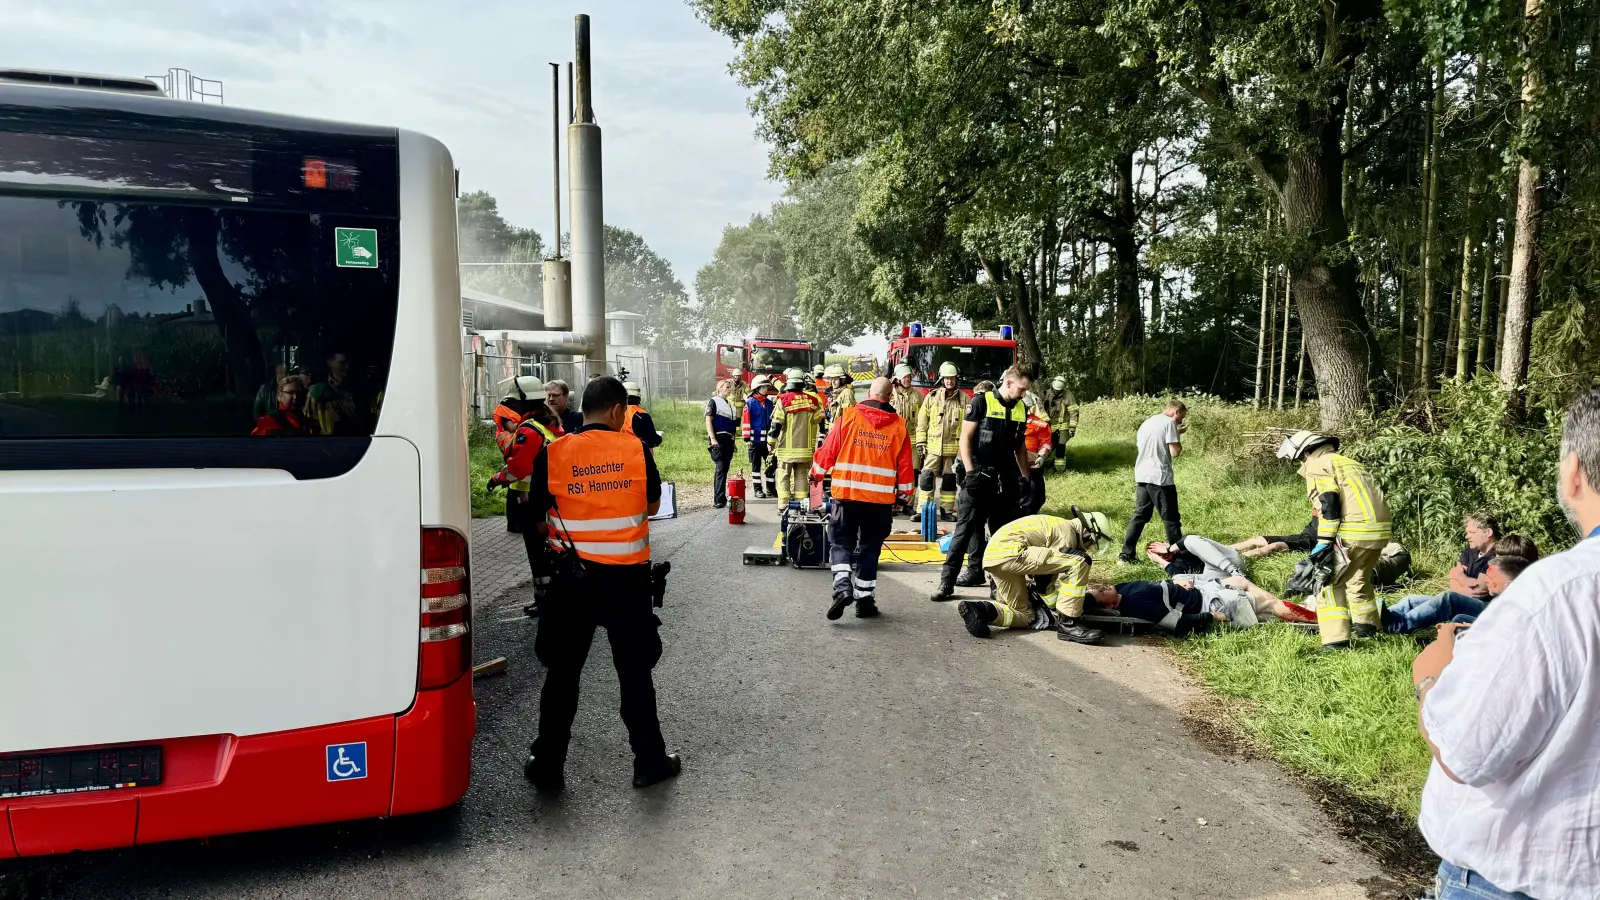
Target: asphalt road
{"type": "Point", "coordinates": [896, 757]}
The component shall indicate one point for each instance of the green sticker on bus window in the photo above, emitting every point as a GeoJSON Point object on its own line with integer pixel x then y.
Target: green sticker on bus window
{"type": "Point", "coordinates": [355, 248]}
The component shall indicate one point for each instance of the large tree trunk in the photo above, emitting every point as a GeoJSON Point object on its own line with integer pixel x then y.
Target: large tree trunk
{"type": "Point", "coordinates": [1524, 284]}
{"type": "Point", "coordinates": [1339, 340]}
{"type": "Point", "coordinates": [1430, 238]}
{"type": "Point", "coordinates": [1031, 359]}
{"type": "Point", "coordinates": [228, 306]}
{"type": "Point", "coordinates": [1128, 372]}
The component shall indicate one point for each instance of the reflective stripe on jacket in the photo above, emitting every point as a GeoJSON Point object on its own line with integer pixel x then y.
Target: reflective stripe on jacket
{"type": "Point", "coordinates": [907, 402]}
{"type": "Point", "coordinates": [598, 479]}
{"type": "Point", "coordinates": [1001, 434]}
{"type": "Point", "coordinates": [1038, 435]}
{"type": "Point", "coordinates": [519, 462]}
{"type": "Point", "coordinates": [506, 421]}
{"type": "Point", "coordinates": [627, 419]}
{"type": "Point", "coordinates": [1352, 505]}
{"type": "Point", "coordinates": [869, 455]}
{"type": "Point", "coordinates": [939, 425]}
{"type": "Point", "coordinates": [757, 417]}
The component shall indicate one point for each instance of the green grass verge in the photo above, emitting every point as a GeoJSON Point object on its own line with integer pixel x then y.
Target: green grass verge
{"type": "Point", "coordinates": [1348, 720]}
{"type": "Point", "coordinates": [681, 457]}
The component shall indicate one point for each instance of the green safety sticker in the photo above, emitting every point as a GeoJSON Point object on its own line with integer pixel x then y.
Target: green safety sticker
{"type": "Point", "coordinates": [355, 248]}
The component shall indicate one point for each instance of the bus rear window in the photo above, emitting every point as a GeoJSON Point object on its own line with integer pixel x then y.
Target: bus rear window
{"type": "Point", "coordinates": [130, 320]}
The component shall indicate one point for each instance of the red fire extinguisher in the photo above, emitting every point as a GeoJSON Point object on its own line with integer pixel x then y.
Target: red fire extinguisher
{"type": "Point", "coordinates": [736, 500]}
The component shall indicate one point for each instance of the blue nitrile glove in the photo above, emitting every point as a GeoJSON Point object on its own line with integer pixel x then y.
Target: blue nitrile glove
{"type": "Point", "coordinates": [1320, 547]}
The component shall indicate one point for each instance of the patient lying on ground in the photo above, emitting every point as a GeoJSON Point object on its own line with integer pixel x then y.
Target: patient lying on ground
{"type": "Point", "coordinates": [1186, 605]}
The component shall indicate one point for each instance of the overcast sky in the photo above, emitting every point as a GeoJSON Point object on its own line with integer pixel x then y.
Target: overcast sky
{"type": "Point", "coordinates": [682, 160]}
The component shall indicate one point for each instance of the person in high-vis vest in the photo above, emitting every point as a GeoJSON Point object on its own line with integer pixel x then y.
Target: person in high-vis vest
{"type": "Point", "coordinates": [637, 421]}
{"type": "Point", "coordinates": [508, 414]}
{"type": "Point", "coordinates": [994, 462]}
{"type": "Point", "coordinates": [536, 430]}
{"type": "Point", "coordinates": [525, 392]}
{"type": "Point", "coordinates": [938, 439]}
{"type": "Point", "coordinates": [1036, 438]}
{"type": "Point", "coordinates": [1060, 550]}
{"type": "Point", "coordinates": [753, 428]}
{"type": "Point", "coordinates": [1061, 407]}
{"type": "Point", "coordinates": [597, 489]}
{"type": "Point", "coordinates": [792, 436]}
{"type": "Point", "coordinates": [817, 388]}
{"type": "Point", "coordinates": [869, 457]}
{"type": "Point", "coordinates": [1352, 512]}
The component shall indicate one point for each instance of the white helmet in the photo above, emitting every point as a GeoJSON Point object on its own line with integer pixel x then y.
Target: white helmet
{"type": "Point", "coordinates": [817, 371]}
{"type": "Point", "coordinates": [948, 370]}
{"type": "Point", "coordinates": [1297, 445]}
{"type": "Point", "coordinates": [834, 371]}
{"type": "Point", "coordinates": [529, 387]}
{"type": "Point", "coordinates": [902, 371]}
{"type": "Point", "coordinates": [1058, 383]}
{"type": "Point", "coordinates": [793, 375]}
{"type": "Point", "coordinates": [759, 382]}
{"type": "Point", "coordinates": [631, 387]}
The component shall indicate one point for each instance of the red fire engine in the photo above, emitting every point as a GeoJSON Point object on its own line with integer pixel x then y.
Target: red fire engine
{"type": "Point", "coordinates": [764, 356]}
{"type": "Point", "coordinates": [977, 355]}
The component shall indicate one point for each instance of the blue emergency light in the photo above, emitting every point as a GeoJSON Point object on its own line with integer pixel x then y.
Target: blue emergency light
{"type": "Point", "coordinates": [1005, 332]}
{"type": "Point", "coordinates": [916, 329]}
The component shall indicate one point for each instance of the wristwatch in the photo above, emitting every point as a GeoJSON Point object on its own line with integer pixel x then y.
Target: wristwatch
{"type": "Point", "coordinates": [1423, 685]}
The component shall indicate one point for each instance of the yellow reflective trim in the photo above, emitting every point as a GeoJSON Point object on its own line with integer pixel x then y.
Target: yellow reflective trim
{"type": "Point", "coordinates": [1332, 612]}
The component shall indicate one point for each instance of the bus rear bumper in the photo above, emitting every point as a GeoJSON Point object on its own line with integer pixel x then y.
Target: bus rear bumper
{"type": "Point", "coordinates": [221, 784]}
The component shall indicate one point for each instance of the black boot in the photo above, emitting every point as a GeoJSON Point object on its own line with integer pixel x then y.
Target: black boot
{"type": "Point", "coordinates": [977, 615]}
{"type": "Point", "coordinates": [1334, 647]}
{"type": "Point", "coordinates": [946, 591]}
{"type": "Point", "coordinates": [667, 766]}
{"type": "Point", "coordinates": [866, 607]}
{"type": "Point", "coordinates": [547, 778]}
{"type": "Point", "coordinates": [841, 598]}
{"type": "Point", "coordinates": [1363, 630]}
{"type": "Point", "coordinates": [971, 578]}
{"type": "Point", "coordinates": [1070, 629]}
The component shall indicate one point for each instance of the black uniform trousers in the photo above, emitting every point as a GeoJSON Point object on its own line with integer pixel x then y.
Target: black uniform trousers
{"type": "Point", "coordinates": [1035, 500]}
{"type": "Point", "coordinates": [723, 457]}
{"type": "Point", "coordinates": [856, 531]}
{"type": "Point", "coordinates": [763, 468]}
{"type": "Point", "coordinates": [1148, 499]}
{"type": "Point", "coordinates": [974, 514]}
{"type": "Point", "coordinates": [616, 598]}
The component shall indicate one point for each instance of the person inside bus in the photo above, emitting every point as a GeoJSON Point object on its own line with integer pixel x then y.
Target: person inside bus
{"type": "Point", "coordinates": [557, 397]}
{"type": "Point", "coordinates": [287, 420]}
{"type": "Point", "coordinates": [332, 401]}
{"type": "Point", "coordinates": [266, 400]}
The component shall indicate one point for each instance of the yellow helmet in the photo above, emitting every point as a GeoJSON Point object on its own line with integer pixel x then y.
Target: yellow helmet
{"type": "Point", "coordinates": [1096, 529]}
{"type": "Point", "coordinates": [948, 370]}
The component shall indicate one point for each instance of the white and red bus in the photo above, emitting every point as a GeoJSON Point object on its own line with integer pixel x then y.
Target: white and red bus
{"type": "Point", "coordinates": [205, 629]}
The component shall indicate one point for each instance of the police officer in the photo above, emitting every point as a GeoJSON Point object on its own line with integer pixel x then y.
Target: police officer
{"type": "Point", "coordinates": [994, 455]}
{"type": "Point", "coordinates": [598, 487]}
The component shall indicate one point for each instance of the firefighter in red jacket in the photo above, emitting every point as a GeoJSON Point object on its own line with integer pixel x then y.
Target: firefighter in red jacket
{"type": "Point", "coordinates": [869, 455]}
{"type": "Point", "coordinates": [536, 428]}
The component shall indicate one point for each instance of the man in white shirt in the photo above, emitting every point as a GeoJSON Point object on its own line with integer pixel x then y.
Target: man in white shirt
{"type": "Point", "coordinates": [1160, 442]}
{"type": "Point", "coordinates": [1509, 708]}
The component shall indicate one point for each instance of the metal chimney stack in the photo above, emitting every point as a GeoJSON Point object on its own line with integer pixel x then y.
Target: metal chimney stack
{"type": "Point", "coordinates": [586, 202]}
{"type": "Point", "coordinates": [557, 270]}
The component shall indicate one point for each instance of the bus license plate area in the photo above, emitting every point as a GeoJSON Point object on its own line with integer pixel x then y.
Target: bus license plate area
{"type": "Point", "coordinates": [79, 771]}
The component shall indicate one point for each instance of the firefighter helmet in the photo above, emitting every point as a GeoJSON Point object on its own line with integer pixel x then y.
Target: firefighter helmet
{"type": "Point", "coordinates": [1058, 383]}
{"type": "Point", "coordinates": [793, 375]}
{"type": "Point", "coordinates": [834, 371]}
{"type": "Point", "coordinates": [1297, 445]}
{"type": "Point", "coordinates": [631, 387]}
{"type": "Point", "coordinates": [759, 382]}
{"type": "Point", "coordinates": [901, 371]}
{"type": "Point", "coordinates": [1096, 530]}
{"type": "Point", "coordinates": [948, 370]}
{"type": "Point", "coordinates": [529, 387]}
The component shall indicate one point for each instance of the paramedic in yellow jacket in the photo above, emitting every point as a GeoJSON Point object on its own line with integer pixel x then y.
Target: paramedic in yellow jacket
{"type": "Point", "coordinates": [907, 401]}
{"type": "Point", "coordinates": [1040, 545]}
{"type": "Point", "coordinates": [1351, 510]}
{"type": "Point", "coordinates": [841, 392]}
{"type": "Point", "coordinates": [793, 437]}
{"type": "Point", "coordinates": [938, 440]}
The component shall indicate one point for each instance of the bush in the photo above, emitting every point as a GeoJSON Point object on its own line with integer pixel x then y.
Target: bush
{"type": "Point", "coordinates": [1215, 424]}
{"type": "Point", "coordinates": [1470, 459]}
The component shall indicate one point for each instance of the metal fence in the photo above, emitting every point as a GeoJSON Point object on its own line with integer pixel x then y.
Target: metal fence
{"type": "Point", "coordinates": [486, 376]}
{"type": "Point", "coordinates": [669, 377]}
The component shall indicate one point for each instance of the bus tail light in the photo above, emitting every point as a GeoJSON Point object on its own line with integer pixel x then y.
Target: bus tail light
{"type": "Point", "coordinates": [446, 609]}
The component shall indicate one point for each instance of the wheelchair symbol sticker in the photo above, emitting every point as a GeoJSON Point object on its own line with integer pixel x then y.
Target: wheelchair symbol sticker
{"type": "Point", "coordinates": [347, 762]}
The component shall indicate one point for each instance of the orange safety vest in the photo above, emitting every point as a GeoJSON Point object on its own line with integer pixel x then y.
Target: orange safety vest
{"type": "Point", "coordinates": [1037, 434]}
{"type": "Point", "coordinates": [627, 421]}
{"type": "Point", "coordinates": [866, 468]}
{"type": "Point", "coordinates": [506, 421]}
{"type": "Point", "coordinates": [598, 481]}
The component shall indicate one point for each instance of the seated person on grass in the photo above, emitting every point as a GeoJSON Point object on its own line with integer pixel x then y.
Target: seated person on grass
{"type": "Point", "coordinates": [1184, 606]}
{"type": "Point", "coordinates": [1198, 556]}
{"type": "Point", "coordinates": [1507, 557]}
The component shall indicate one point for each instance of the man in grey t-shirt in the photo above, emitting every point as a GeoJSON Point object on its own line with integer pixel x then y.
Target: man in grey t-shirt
{"type": "Point", "coordinates": [1160, 441]}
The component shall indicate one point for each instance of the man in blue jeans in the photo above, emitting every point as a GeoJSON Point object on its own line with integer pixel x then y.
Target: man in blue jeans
{"type": "Point", "coordinates": [1420, 611]}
